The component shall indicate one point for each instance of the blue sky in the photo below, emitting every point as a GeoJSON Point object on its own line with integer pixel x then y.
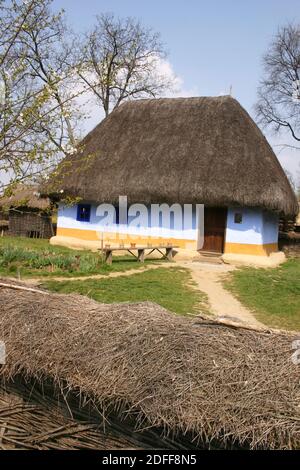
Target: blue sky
{"type": "Point", "coordinates": [211, 44]}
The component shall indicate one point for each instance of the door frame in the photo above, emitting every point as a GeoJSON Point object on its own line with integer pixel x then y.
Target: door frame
{"type": "Point", "coordinates": [201, 220]}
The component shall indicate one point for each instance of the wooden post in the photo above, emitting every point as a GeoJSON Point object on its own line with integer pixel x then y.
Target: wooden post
{"type": "Point", "coordinates": [108, 256]}
{"type": "Point", "coordinates": [169, 253]}
{"type": "Point", "coordinates": [141, 255]}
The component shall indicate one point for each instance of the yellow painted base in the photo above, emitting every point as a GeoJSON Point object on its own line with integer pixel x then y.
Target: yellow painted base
{"type": "Point", "coordinates": [272, 261]}
{"type": "Point", "coordinates": [115, 239]}
{"type": "Point", "coordinates": [247, 249]}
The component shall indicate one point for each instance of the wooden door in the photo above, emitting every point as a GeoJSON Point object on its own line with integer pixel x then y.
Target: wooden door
{"type": "Point", "coordinates": [214, 229]}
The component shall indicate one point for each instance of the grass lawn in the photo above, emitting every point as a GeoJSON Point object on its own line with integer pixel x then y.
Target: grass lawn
{"type": "Point", "coordinates": [273, 294]}
{"type": "Point", "coordinates": [37, 258]}
{"type": "Point", "coordinates": [172, 288]}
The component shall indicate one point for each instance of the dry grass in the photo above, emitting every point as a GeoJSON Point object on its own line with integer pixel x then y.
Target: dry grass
{"type": "Point", "coordinates": [222, 384]}
{"type": "Point", "coordinates": [36, 416]}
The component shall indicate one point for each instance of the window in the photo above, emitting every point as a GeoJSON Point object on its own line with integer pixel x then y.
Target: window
{"type": "Point", "coordinates": [238, 218]}
{"type": "Point", "coordinates": [84, 212]}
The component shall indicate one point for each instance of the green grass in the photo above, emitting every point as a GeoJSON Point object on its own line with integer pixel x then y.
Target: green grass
{"type": "Point", "coordinates": [171, 288]}
{"type": "Point", "coordinates": [272, 294]}
{"type": "Point", "coordinates": [37, 258]}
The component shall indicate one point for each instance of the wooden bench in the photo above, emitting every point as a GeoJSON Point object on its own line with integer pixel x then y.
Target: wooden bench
{"type": "Point", "coordinates": [140, 250]}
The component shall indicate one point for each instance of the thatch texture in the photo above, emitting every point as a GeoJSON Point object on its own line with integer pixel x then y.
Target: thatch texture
{"type": "Point", "coordinates": [187, 150]}
{"type": "Point", "coordinates": [29, 420]}
{"type": "Point", "coordinates": [35, 416]}
{"type": "Point", "coordinates": [218, 383]}
{"type": "Point", "coordinates": [25, 196]}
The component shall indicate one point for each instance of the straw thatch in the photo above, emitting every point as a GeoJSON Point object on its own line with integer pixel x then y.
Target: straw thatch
{"type": "Point", "coordinates": [25, 196]}
{"type": "Point", "coordinates": [187, 150]}
{"type": "Point", "coordinates": [35, 416]}
{"type": "Point", "coordinates": [29, 420]}
{"type": "Point", "coordinates": [217, 383]}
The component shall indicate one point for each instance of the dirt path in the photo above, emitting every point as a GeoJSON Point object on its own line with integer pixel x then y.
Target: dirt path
{"type": "Point", "coordinates": [208, 278]}
{"type": "Point", "coordinates": [38, 280]}
{"type": "Point", "coordinates": [223, 304]}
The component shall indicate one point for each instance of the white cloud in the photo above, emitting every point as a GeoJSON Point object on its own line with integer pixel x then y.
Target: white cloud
{"type": "Point", "coordinates": [164, 68]}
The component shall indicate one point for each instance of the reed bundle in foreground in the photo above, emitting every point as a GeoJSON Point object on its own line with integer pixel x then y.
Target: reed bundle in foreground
{"type": "Point", "coordinates": [215, 383]}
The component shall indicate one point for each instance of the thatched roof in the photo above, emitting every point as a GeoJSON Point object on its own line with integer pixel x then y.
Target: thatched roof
{"type": "Point", "coordinates": [217, 382]}
{"type": "Point", "coordinates": [187, 150]}
{"type": "Point", "coordinates": [25, 196]}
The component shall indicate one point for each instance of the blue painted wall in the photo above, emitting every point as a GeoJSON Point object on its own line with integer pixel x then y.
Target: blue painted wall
{"type": "Point", "coordinates": [258, 227]}
{"type": "Point", "coordinates": [159, 227]}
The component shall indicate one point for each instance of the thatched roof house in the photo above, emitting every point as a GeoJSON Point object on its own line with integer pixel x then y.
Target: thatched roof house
{"type": "Point", "coordinates": [28, 212]}
{"type": "Point", "coordinates": [206, 383]}
{"type": "Point", "coordinates": [27, 196]}
{"type": "Point", "coordinates": [188, 151]}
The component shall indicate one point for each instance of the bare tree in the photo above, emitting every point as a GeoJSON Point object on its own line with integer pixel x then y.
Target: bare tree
{"type": "Point", "coordinates": [42, 73]}
{"type": "Point", "coordinates": [120, 60]}
{"type": "Point", "coordinates": [49, 58]}
{"type": "Point", "coordinates": [37, 114]}
{"type": "Point", "coordinates": [278, 103]}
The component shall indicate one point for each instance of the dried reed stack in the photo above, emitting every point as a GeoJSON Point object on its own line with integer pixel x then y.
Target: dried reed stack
{"type": "Point", "coordinates": [216, 383]}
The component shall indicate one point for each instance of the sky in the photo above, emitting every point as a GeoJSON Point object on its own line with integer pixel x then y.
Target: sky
{"type": "Point", "coordinates": [212, 45]}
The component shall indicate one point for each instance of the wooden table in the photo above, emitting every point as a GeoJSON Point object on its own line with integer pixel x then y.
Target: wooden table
{"type": "Point", "coordinates": [140, 250]}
